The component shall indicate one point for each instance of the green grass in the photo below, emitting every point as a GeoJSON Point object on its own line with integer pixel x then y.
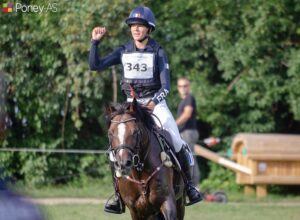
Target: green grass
{"type": "Point", "coordinates": [94, 189]}
{"type": "Point", "coordinates": [100, 189]}
{"type": "Point", "coordinates": [238, 196]}
{"type": "Point", "coordinates": [205, 211]}
{"type": "Point", "coordinates": [275, 207]}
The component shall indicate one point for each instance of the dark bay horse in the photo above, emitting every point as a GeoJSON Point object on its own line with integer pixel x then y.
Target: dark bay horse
{"type": "Point", "coordinates": [145, 183]}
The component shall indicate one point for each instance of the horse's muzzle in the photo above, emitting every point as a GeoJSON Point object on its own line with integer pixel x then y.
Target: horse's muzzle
{"type": "Point", "coordinates": [124, 159]}
{"type": "Point", "coordinates": [123, 169]}
{"type": "Point", "coordinates": [123, 166]}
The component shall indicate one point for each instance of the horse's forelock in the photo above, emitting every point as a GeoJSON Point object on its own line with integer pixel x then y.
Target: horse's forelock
{"type": "Point", "coordinates": [115, 109]}
{"type": "Point", "coordinates": [141, 113]}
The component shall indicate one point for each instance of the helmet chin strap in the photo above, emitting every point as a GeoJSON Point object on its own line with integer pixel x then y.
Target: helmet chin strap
{"type": "Point", "coordinates": [143, 39]}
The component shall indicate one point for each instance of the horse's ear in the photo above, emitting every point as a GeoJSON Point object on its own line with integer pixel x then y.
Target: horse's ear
{"type": "Point", "coordinates": [133, 105]}
{"type": "Point", "coordinates": [109, 109]}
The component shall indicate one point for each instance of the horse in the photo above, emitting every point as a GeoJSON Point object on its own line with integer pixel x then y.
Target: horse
{"type": "Point", "coordinates": [145, 183]}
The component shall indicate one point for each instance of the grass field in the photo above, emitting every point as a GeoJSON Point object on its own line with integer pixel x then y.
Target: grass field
{"type": "Point", "coordinates": [274, 207]}
{"type": "Point", "coordinates": [205, 211]}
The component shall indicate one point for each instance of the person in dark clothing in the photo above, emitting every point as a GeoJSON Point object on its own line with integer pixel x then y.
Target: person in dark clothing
{"type": "Point", "coordinates": [146, 77]}
{"type": "Point", "coordinates": [186, 120]}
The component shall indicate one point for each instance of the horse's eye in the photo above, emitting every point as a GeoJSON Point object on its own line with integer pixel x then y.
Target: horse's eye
{"type": "Point", "coordinates": [136, 132]}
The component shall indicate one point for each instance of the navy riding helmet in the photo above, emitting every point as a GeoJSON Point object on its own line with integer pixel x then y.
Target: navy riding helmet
{"type": "Point", "coordinates": [141, 15]}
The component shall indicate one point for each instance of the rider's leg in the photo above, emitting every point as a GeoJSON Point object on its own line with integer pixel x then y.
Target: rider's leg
{"type": "Point", "coordinates": [167, 120]}
{"type": "Point", "coordinates": [191, 136]}
{"type": "Point", "coordinates": [115, 204]}
{"type": "Point", "coordinates": [185, 158]}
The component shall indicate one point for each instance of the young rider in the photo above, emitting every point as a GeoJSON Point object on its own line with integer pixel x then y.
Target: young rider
{"type": "Point", "coordinates": [146, 71]}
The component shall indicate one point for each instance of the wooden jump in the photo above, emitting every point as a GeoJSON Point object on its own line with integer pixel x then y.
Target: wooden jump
{"type": "Point", "coordinates": [261, 160]}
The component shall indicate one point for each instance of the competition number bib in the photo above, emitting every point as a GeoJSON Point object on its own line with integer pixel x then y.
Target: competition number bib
{"type": "Point", "coordinates": [138, 65]}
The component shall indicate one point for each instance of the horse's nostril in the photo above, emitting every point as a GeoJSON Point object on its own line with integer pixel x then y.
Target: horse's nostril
{"type": "Point", "coordinates": [117, 165]}
{"type": "Point", "coordinates": [128, 163]}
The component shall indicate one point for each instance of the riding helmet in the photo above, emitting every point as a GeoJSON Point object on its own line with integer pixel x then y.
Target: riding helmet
{"type": "Point", "coordinates": [141, 15]}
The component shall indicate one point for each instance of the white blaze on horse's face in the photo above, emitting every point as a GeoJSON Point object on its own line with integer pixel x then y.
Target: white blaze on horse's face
{"type": "Point", "coordinates": [121, 132]}
{"type": "Point", "coordinates": [121, 135]}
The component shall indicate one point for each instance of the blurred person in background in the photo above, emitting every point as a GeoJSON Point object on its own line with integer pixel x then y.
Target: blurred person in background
{"type": "Point", "coordinates": [186, 120]}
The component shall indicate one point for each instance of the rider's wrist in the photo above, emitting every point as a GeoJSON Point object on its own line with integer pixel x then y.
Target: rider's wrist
{"type": "Point", "coordinates": [95, 41]}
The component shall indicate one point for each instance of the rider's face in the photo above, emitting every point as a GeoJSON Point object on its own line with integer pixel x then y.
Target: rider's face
{"type": "Point", "coordinates": [138, 31]}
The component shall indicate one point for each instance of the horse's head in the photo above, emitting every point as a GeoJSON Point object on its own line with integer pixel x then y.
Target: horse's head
{"type": "Point", "coordinates": [124, 135]}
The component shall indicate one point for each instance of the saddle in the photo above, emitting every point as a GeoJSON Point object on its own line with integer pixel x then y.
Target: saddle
{"type": "Point", "coordinates": [165, 142]}
{"type": "Point", "coordinates": [168, 157]}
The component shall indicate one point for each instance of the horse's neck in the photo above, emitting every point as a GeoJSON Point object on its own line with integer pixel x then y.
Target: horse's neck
{"type": "Point", "coordinates": [152, 160]}
{"type": "Point", "coordinates": [148, 146]}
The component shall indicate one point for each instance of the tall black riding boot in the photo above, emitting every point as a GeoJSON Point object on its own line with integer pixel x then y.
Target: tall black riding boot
{"type": "Point", "coordinates": [184, 159]}
{"type": "Point", "coordinates": [115, 203]}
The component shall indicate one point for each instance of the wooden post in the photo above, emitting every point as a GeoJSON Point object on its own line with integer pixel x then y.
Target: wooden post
{"type": "Point", "coordinates": [114, 84]}
{"type": "Point", "coordinates": [248, 190]}
{"type": "Point", "coordinates": [261, 191]}
{"type": "Point", "coordinates": [3, 90]}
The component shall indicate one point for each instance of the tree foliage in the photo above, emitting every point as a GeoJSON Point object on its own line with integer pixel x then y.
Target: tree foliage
{"type": "Point", "coordinates": [251, 49]}
{"type": "Point", "coordinates": [243, 58]}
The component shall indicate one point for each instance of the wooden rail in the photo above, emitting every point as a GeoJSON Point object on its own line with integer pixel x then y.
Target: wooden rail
{"type": "Point", "coordinates": [201, 151]}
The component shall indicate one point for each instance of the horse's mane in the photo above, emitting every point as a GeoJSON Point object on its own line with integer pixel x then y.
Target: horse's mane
{"type": "Point", "coordinates": [142, 114]}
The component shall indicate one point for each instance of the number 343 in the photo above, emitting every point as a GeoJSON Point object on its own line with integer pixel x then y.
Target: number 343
{"type": "Point", "coordinates": [138, 67]}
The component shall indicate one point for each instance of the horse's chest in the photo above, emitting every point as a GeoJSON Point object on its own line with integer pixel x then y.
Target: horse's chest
{"type": "Point", "coordinates": [140, 197]}
{"type": "Point", "coordinates": [147, 202]}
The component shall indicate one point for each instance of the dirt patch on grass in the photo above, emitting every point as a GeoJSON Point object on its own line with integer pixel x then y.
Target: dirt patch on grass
{"type": "Point", "coordinates": [95, 201]}
{"type": "Point", "coordinates": [58, 201]}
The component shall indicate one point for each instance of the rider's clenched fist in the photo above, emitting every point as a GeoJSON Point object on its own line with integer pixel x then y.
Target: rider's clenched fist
{"type": "Point", "coordinates": [98, 33]}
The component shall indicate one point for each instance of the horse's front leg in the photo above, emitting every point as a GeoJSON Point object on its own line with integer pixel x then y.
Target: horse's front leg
{"type": "Point", "coordinates": [134, 216]}
{"type": "Point", "coordinates": [168, 208]}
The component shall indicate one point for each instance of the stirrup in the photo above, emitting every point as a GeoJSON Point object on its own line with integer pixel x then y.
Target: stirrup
{"type": "Point", "coordinates": [195, 200]}
{"type": "Point", "coordinates": [118, 207]}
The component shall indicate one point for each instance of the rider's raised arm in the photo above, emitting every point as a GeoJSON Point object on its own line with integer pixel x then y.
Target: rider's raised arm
{"type": "Point", "coordinates": [97, 63]}
{"type": "Point", "coordinates": [164, 74]}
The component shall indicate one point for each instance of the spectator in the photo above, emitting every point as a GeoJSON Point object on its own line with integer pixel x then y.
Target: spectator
{"type": "Point", "coordinates": [186, 120]}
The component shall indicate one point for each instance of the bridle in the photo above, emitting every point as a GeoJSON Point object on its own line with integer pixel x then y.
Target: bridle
{"type": "Point", "coordinates": [123, 121]}
{"type": "Point", "coordinates": [138, 164]}
{"type": "Point", "coordinates": [135, 151]}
